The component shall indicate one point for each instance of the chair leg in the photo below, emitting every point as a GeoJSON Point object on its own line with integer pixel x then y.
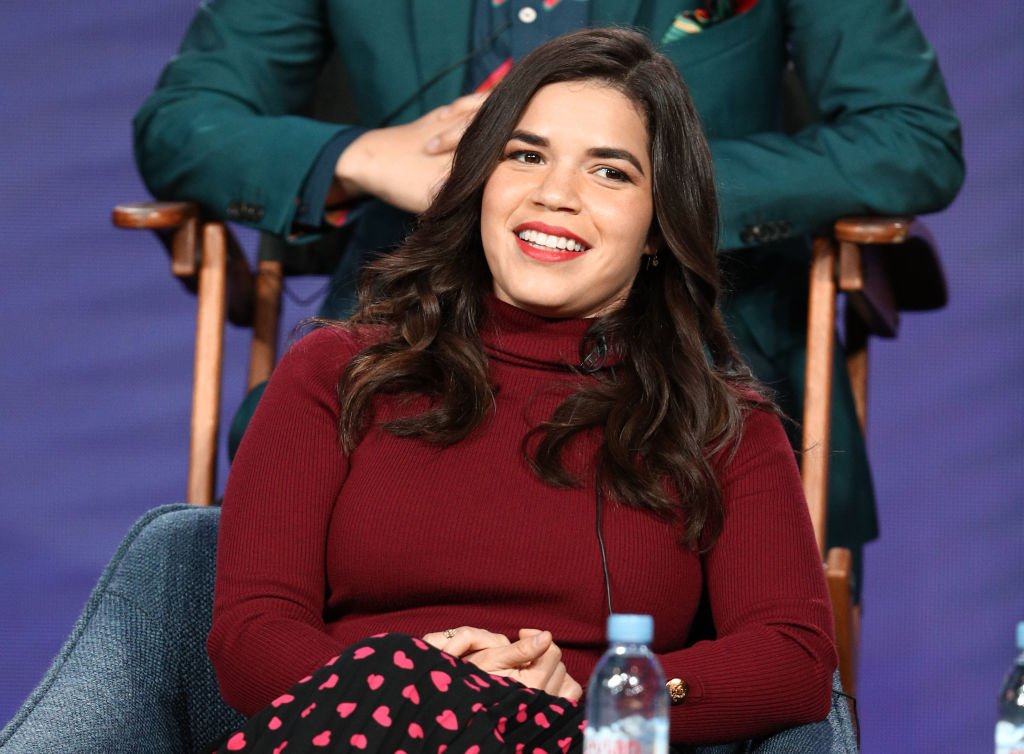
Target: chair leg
{"type": "Point", "coordinates": [821, 317]}
{"type": "Point", "coordinates": [209, 359]}
{"type": "Point", "coordinates": [265, 322]}
{"type": "Point", "coordinates": [821, 336]}
{"type": "Point", "coordinates": [856, 338]}
{"type": "Point", "coordinates": [846, 615]}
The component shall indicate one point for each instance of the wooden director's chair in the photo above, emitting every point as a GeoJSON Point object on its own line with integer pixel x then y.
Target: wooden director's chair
{"type": "Point", "coordinates": [882, 265]}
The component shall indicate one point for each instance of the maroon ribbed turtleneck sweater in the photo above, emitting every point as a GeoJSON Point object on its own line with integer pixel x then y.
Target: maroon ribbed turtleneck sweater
{"type": "Point", "coordinates": [318, 550]}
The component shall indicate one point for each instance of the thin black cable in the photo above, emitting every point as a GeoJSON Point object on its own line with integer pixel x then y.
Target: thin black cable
{"type": "Point", "coordinates": [444, 72]}
{"type": "Point", "coordinates": [604, 555]}
{"type": "Point", "coordinates": [851, 706]}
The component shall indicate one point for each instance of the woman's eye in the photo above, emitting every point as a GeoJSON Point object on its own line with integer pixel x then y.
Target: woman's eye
{"type": "Point", "coordinates": [613, 175]}
{"type": "Point", "coordinates": [525, 156]}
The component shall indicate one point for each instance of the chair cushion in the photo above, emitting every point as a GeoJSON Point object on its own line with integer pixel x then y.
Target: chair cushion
{"type": "Point", "coordinates": [134, 675]}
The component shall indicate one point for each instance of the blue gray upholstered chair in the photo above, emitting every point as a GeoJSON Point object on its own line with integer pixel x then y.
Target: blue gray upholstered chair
{"type": "Point", "coordinates": [134, 678]}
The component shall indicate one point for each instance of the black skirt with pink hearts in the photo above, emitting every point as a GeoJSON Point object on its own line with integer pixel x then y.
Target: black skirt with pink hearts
{"type": "Point", "coordinates": [395, 694]}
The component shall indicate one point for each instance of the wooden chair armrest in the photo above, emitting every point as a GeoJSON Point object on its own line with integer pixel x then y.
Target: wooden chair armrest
{"type": "Point", "coordinates": [176, 224]}
{"type": "Point", "coordinates": [883, 230]}
{"type": "Point", "coordinates": [154, 215]}
{"type": "Point", "coordinates": [888, 265]}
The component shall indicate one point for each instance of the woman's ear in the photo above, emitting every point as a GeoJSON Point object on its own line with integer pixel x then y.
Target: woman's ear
{"type": "Point", "coordinates": [653, 243]}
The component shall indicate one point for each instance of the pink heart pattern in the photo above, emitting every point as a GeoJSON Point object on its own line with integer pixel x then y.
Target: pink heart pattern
{"type": "Point", "coordinates": [410, 693]}
{"type": "Point", "coordinates": [393, 669]}
{"type": "Point", "coordinates": [522, 714]}
{"type": "Point", "coordinates": [382, 716]}
{"type": "Point", "coordinates": [447, 720]}
{"type": "Point", "coordinates": [322, 740]}
{"type": "Point", "coordinates": [402, 660]}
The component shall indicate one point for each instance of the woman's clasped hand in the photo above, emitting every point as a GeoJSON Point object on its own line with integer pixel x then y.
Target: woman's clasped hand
{"type": "Point", "coordinates": [533, 659]}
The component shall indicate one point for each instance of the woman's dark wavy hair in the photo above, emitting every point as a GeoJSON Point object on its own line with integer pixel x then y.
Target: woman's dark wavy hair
{"type": "Point", "coordinates": [679, 391]}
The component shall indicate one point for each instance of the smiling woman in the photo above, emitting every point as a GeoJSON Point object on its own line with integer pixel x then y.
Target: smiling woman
{"type": "Point", "coordinates": [512, 367]}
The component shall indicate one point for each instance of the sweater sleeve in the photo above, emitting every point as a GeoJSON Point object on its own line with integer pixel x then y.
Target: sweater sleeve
{"type": "Point", "coordinates": [268, 628]}
{"type": "Point", "coordinates": [770, 666]}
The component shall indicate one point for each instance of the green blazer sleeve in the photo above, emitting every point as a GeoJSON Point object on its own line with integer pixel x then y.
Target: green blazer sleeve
{"type": "Point", "coordinates": [886, 140]}
{"type": "Point", "coordinates": [219, 128]}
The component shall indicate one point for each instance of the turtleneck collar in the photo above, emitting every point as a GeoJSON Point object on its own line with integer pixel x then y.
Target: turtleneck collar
{"type": "Point", "coordinates": [516, 336]}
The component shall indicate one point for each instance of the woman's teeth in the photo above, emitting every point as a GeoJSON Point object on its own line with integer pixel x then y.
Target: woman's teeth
{"type": "Point", "coordinates": [559, 243]}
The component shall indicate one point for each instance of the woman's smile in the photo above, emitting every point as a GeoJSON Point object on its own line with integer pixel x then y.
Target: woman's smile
{"type": "Point", "coordinates": [547, 243]}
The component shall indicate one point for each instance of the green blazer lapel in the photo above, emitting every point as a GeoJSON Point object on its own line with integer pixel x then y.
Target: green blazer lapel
{"type": "Point", "coordinates": [441, 34]}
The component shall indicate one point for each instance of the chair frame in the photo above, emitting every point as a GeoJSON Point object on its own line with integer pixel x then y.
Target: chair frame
{"type": "Point", "coordinates": [208, 259]}
{"type": "Point", "coordinates": [852, 261]}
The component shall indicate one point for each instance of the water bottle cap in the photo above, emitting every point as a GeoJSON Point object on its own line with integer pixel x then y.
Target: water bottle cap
{"type": "Point", "coordinates": [630, 629]}
{"type": "Point", "coordinates": [1020, 636]}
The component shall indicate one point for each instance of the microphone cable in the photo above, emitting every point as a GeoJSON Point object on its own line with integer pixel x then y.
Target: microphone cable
{"type": "Point", "coordinates": [600, 544]}
{"type": "Point", "coordinates": [488, 41]}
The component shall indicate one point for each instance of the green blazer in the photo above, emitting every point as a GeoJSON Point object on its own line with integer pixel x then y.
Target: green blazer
{"type": "Point", "coordinates": [221, 128]}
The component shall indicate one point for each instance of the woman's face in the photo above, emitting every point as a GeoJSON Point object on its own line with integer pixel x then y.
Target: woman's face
{"type": "Point", "coordinates": [567, 212]}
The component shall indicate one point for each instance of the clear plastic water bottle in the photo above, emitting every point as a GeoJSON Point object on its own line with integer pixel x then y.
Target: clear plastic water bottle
{"type": "Point", "coordinates": [1010, 728]}
{"type": "Point", "coordinates": [627, 703]}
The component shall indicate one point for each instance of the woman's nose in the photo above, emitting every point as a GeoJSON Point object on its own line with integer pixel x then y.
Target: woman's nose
{"type": "Point", "coordinates": [558, 191]}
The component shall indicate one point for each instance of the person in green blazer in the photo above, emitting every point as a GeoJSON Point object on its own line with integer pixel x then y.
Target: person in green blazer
{"type": "Point", "coordinates": [224, 128]}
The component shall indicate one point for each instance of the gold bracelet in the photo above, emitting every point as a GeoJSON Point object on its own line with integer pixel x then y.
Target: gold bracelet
{"type": "Point", "coordinates": [677, 689]}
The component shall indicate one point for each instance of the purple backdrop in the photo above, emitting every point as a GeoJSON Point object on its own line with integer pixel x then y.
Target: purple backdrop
{"type": "Point", "coordinates": [96, 356]}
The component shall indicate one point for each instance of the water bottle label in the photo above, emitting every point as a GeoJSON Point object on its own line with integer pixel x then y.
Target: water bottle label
{"type": "Point", "coordinates": [1009, 738]}
{"type": "Point", "coordinates": [627, 736]}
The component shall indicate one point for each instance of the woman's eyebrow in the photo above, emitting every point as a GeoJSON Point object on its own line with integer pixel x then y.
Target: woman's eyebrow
{"type": "Point", "coordinates": [604, 153]}
{"type": "Point", "coordinates": [534, 140]}
{"type": "Point", "coordinates": [612, 153]}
